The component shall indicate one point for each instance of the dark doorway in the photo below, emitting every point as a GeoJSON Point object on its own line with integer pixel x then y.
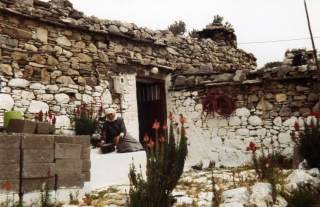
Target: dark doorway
{"type": "Point", "coordinates": [151, 105]}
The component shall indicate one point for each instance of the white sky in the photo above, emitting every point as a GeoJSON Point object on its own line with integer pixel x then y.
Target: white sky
{"type": "Point", "coordinates": [253, 20]}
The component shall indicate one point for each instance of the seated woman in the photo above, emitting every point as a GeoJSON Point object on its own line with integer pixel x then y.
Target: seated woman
{"type": "Point", "coordinates": [114, 131]}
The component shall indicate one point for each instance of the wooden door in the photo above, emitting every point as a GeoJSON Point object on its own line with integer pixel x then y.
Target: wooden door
{"type": "Point", "coordinates": [151, 105]}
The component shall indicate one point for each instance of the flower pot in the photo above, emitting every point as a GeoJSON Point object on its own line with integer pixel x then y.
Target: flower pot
{"type": "Point", "coordinates": [52, 129]}
{"type": "Point", "coordinates": [21, 126]}
{"type": "Point", "coordinates": [43, 128]}
{"type": "Point", "coordinates": [11, 115]}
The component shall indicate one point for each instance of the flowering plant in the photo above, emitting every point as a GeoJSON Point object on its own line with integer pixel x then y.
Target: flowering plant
{"type": "Point", "coordinates": [86, 119]}
{"type": "Point", "coordinates": [46, 117]}
{"type": "Point", "coordinates": [165, 162]}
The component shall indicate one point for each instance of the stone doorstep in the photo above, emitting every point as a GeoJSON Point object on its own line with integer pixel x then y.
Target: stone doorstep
{"type": "Point", "coordinates": [9, 141]}
{"type": "Point", "coordinates": [72, 180]}
{"type": "Point", "coordinates": [8, 156]}
{"type": "Point", "coordinates": [14, 183]}
{"type": "Point", "coordinates": [38, 156]}
{"type": "Point", "coordinates": [37, 184]}
{"type": "Point", "coordinates": [38, 170]}
{"type": "Point", "coordinates": [9, 171]}
{"type": "Point", "coordinates": [66, 167]}
{"type": "Point", "coordinates": [34, 141]}
{"type": "Point", "coordinates": [67, 151]}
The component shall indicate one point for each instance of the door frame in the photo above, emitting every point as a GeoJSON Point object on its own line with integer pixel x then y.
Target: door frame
{"type": "Point", "coordinates": [162, 82]}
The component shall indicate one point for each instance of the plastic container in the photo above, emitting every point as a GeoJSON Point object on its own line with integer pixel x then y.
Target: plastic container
{"type": "Point", "coordinates": [11, 115]}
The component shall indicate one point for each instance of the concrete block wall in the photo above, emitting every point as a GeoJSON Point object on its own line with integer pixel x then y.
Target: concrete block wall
{"type": "Point", "coordinates": [31, 160]}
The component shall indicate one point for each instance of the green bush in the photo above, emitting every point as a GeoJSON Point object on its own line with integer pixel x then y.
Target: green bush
{"type": "Point", "coordinates": [194, 33]}
{"type": "Point", "coordinates": [304, 196]}
{"type": "Point", "coordinates": [86, 122]}
{"type": "Point", "coordinates": [308, 141]}
{"type": "Point", "coordinates": [165, 162]}
{"type": "Point", "coordinates": [178, 27]}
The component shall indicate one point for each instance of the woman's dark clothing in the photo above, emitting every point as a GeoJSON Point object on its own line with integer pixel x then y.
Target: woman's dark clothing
{"type": "Point", "coordinates": [127, 143]}
{"type": "Point", "coordinates": [112, 129]}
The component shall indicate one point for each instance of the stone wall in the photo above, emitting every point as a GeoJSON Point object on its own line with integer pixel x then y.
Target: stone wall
{"type": "Point", "coordinates": [60, 161]}
{"type": "Point", "coordinates": [266, 111]}
{"type": "Point", "coordinates": [53, 58]}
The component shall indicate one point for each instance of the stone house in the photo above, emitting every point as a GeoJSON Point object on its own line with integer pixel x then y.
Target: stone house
{"type": "Point", "coordinates": [54, 58]}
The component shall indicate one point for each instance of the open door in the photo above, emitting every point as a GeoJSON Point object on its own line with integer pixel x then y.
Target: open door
{"type": "Point", "coordinates": [151, 105]}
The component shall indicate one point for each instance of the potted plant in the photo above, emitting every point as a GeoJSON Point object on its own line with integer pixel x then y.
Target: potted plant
{"type": "Point", "coordinates": [88, 121]}
{"type": "Point", "coordinates": [45, 122]}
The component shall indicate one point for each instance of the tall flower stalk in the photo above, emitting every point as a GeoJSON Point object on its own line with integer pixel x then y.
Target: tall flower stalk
{"type": "Point", "coordinates": [165, 162]}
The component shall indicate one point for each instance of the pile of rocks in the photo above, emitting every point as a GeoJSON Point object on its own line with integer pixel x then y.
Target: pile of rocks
{"type": "Point", "coordinates": [236, 188]}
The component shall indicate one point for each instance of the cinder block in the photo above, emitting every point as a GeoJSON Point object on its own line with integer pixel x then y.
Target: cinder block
{"type": "Point", "coordinates": [9, 171]}
{"type": "Point", "coordinates": [38, 170]}
{"type": "Point", "coordinates": [63, 139]}
{"type": "Point", "coordinates": [86, 165]}
{"type": "Point", "coordinates": [68, 166]}
{"type": "Point", "coordinates": [86, 176]}
{"type": "Point", "coordinates": [69, 181]}
{"type": "Point", "coordinates": [9, 141]}
{"type": "Point", "coordinates": [8, 156]}
{"type": "Point", "coordinates": [13, 186]}
{"type": "Point", "coordinates": [34, 141]}
{"type": "Point", "coordinates": [67, 151]}
{"type": "Point", "coordinates": [84, 140]}
{"type": "Point", "coordinates": [30, 185]}
{"type": "Point", "coordinates": [38, 155]}
{"type": "Point", "coordinates": [85, 153]}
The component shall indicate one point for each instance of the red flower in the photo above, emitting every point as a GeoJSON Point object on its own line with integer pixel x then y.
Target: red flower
{"type": "Point", "coordinates": [54, 120]}
{"type": "Point", "coordinates": [252, 147]}
{"type": "Point", "coordinates": [296, 126]}
{"type": "Point", "coordinates": [182, 119]}
{"type": "Point", "coordinates": [312, 124]}
{"type": "Point", "coordinates": [316, 114]}
{"type": "Point", "coordinates": [7, 185]}
{"type": "Point", "coordinates": [100, 110]}
{"type": "Point", "coordinates": [50, 115]}
{"type": "Point", "coordinates": [77, 111]}
{"type": "Point", "coordinates": [162, 139]}
{"type": "Point", "coordinates": [151, 144]}
{"type": "Point", "coordinates": [156, 125]}
{"type": "Point", "coordinates": [40, 115]}
{"type": "Point", "coordinates": [146, 138]}
{"type": "Point", "coordinates": [171, 116]}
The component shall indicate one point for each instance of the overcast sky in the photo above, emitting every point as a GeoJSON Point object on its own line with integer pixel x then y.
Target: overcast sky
{"type": "Point", "coordinates": [253, 20]}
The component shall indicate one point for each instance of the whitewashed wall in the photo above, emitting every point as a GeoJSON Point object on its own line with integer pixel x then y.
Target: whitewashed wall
{"type": "Point", "coordinates": [225, 140]}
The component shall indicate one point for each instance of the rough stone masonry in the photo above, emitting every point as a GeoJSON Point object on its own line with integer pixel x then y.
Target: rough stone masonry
{"type": "Point", "coordinates": [53, 57]}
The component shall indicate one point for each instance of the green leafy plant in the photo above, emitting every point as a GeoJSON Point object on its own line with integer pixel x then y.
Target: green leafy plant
{"type": "Point", "coordinates": [86, 119]}
{"type": "Point", "coordinates": [265, 165]}
{"type": "Point", "coordinates": [73, 198]}
{"type": "Point", "coordinates": [178, 27]}
{"type": "Point", "coordinates": [217, 19]}
{"type": "Point", "coordinates": [165, 162]}
{"type": "Point", "coordinates": [308, 140]}
{"type": "Point", "coordinates": [304, 195]}
{"type": "Point", "coordinates": [194, 33]}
